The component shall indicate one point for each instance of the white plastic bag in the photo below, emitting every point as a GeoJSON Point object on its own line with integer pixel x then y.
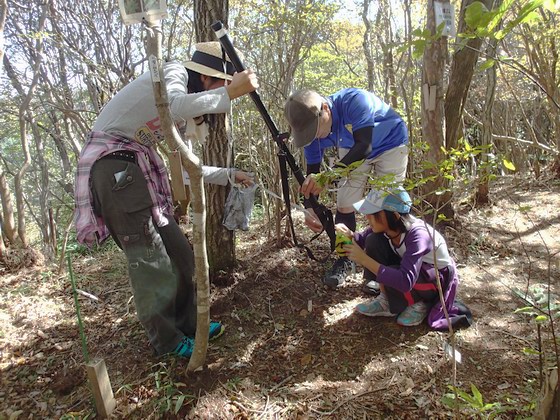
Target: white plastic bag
{"type": "Point", "coordinates": [239, 205]}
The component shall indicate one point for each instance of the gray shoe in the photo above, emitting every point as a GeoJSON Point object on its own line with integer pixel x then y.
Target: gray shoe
{"type": "Point", "coordinates": [370, 287]}
{"type": "Point", "coordinates": [338, 273]}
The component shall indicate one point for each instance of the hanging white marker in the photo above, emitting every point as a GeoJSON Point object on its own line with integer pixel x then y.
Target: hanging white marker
{"type": "Point", "coordinates": [140, 11]}
{"type": "Point", "coordinates": [445, 13]}
{"type": "Point", "coordinates": [451, 352]}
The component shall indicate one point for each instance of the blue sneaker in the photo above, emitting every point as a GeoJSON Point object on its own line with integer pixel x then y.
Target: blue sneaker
{"type": "Point", "coordinates": [216, 330]}
{"type": "Point", "coordinates": [185, 347]}
{"type": "Point", "coordinates": [414, 314]}
{"type": "Point", "coordinates": [376, 307]}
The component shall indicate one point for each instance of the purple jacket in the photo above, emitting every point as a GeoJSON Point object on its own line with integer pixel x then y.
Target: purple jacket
{"type": "Point", "coordinates": [417, 257]}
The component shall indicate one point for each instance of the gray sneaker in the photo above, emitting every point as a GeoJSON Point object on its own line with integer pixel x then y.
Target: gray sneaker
{"type": "Point", "coordinates": [338, 272]}
{"type": "Point", "coordinates": [370, 287]}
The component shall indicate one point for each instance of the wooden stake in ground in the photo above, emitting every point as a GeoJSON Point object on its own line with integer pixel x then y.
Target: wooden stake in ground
{"type": "Point", "coordinates": [98, 377]}
{"type": "Point", "coordinates": [105, 402]}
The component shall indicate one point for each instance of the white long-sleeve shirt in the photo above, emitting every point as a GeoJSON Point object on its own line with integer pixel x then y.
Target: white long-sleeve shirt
{"type": "Point", "coordinates": [213, 175]}
{"type": "Point", "coordinates": [132, 113]}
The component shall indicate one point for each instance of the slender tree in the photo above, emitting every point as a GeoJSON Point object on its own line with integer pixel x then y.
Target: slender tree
{"type": "Point", "coordinates": [194, 169]}
{"type": "Point", "coordinates": [26, 114]}
{"type": "Point", "coordinates": [385, 38]}
{"type": "Point", "coordinates": [460, 76]}
{"type": "Point", "coordinates": [221, 245]}
{"type": "Point", "coordinates": [3, 15]}
{"type": "Point", "coordinates": [482, 194]}
{"type": "Point", "coordinates": [541, 47]}
{"type": "Point", "coordinates": [367, 44]}
{"type": "Point", "coordinates": [433, 90]}
{"type": "Point", "coordinates": [8, 224]}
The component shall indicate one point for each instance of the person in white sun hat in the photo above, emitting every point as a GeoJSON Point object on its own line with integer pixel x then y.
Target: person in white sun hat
{"type": "Point", "coordinates": [122, 189]}
{"type": "Point", "coordinates": [403, 259]}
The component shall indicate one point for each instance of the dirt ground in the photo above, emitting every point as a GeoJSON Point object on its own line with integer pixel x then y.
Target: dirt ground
{"type": "Point", "coordinates": [293, 349]}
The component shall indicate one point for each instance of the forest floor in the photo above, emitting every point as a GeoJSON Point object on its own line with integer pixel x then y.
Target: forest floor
{"type": "Point", "coordinates": [293, 349]}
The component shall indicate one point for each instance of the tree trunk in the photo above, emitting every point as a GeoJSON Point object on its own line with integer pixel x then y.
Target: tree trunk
{"type": "Point", "coordinates": [482, 195]}
{"type": "Point", "coordinates": [385, 38]}
{"type": "Point", "coordinates": [25, 116]}
{"type": "Point", "coordinates": [406, 81]}
{"type": "Point", "coordinates": [8, 225]}
{"type": "Point", "coordinates": [432, 115]}
{"type": "Point", "coordinates": [367, 44]}
{"type": "Point", "coordinates": [3, 14]}
{"type": "Point", "coordinates": [43, 192]}
{"type": "Point", "coordinates": [543, 54]}
{"type": "Point", "coordinates": [221, 243]}
{"type": "Point", "coordinates": [194, 169]}
{"type": "Point", "coordinates": [2, 244]}
{"type": "Point", "coordinates": [20, 203]}
{"type": "Point", "coordinates": [460, 76]}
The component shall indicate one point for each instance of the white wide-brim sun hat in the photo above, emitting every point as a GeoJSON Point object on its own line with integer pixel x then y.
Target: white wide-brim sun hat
{"type": "Point", "coordinates": [208, 59]}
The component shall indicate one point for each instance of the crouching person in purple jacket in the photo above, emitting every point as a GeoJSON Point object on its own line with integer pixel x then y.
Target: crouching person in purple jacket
{"type": "Point", "coordinates": [404, 254]}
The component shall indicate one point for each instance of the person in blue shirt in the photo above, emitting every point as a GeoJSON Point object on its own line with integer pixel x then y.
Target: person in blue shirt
{"type": "Point", "coordinates": [362, 128]}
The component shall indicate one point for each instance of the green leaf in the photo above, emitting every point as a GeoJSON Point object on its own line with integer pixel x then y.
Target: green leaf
{"type": "Point", "coordinates": [528, 9]}
{"type": "Point", "coordinates": [355, 165]}
{"type": "Point", "coordinates": [532, 17]}
{"type": "Point", "coordinates": [474, 14]}
{"type": "Point", "coordinates": [487, 64]}
{"type": "Point", "coordinates": [498, 14]}
{"type": "Point", "coordinates": [527, 15]}
{"type": "Point", "coordinates": [509, 165]}
{"type": "Point", "coordinates": [449, 400]}
{"type": "Point", "coordinates": [442, 218]}
{"type": "Point", "coordinates": [530, 351]}
{"type": "Point", "coordinates": [179, 403]}
{"type": "Point", "coordinates": [477, 395]}
{"type": "Point", "coordinates": [541, 318]}
{"type": "Point", "coordinates": [402, 48]}
{"type": "Point", "coordinates": [489, 406]}
{"type": "Point", "coordinates": [418, 50]}
{"type": "Point", "coordinates": [525, 310]}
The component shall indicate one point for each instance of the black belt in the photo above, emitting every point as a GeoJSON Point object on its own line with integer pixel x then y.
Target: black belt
{"type": "Point", "coordinates": [122, 155]}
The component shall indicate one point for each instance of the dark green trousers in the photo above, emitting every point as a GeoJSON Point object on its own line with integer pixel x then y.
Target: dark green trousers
{"type": "Point", "coordinates": [160, 259]}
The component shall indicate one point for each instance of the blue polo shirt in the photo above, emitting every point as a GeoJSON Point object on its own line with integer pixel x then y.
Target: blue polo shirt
{"type": "Point", "coordinates": [351, 110]}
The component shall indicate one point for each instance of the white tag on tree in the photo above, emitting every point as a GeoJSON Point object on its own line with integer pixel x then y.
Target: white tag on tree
{"type": "Point", "coordinates": [445, 13]}
{"type": "Point", "coordinates": [154, 70]}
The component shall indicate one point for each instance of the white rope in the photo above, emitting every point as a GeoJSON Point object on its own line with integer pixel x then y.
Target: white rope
{"type": "Point", "coordinates": [273, 194]}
